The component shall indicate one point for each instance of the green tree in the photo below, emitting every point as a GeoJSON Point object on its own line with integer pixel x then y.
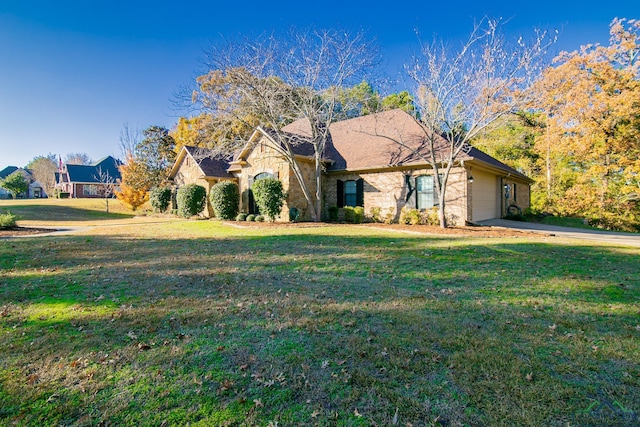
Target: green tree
{"type": "Point", "coordinates": [156, 153]}
{"type": "Point", "coordinates": [15, 183]}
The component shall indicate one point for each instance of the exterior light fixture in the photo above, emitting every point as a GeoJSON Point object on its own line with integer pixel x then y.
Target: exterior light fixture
{"type": "Point", "coordinates": [470, 178]}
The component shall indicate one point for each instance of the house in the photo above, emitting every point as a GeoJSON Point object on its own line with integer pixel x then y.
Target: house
{"type": "Point", "coordinates": [35, 190]}
{"type": "Point", "coordinates": [365, 166]}
{"type": "Point", "coordinates": [196, 166]}
{"type": "Point", "coordinates": [89, 181]}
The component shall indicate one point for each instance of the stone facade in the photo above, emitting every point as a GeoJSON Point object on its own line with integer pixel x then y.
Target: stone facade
{"type": "Point", "coordinates": [190, 173]}
{"type": "Point", "coordinates": [265, 159]}
{"type": "Point", "coordinates": [388, 190]}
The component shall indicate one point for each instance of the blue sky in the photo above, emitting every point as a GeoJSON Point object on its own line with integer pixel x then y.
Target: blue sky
{"type": "Point", "coordinates": [73, 72]}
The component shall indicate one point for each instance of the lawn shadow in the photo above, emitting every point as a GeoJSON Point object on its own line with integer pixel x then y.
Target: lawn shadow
{"type": "Point", "coordinates": [428, 326]}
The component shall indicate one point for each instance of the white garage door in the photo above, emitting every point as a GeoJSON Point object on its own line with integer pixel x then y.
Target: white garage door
{"type": "Point", "coordinates": [484, 196]}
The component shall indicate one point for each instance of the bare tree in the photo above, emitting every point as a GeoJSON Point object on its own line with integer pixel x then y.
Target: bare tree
{"type": "Point", "coordinates": [129, 140]}
{"type": "Point", "coordinates": [77, 159]}
{"type": "Point", "coordinates": [273, 82]}
{"type": "Point", "coordinates": [107, 185]}
{"type": "Point", "coordinates": [458, 92]}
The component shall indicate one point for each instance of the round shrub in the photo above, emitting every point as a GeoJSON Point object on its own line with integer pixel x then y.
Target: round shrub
{"type": "Point", "coordinates": [160, 198]}
{"type": "Point", "coordinates": [191, 200]}
{"type": "Point", "coordinates": [250, 217]}
{"type": "Point", "coordinates": [358, 214]}
{"type": "Point", "coordinates": [259, 218]}
{"type": "Point", "coordinates": [333, 213]}
{"type": "Point", "coordinates": [349, 215]}
{"type": "Point", "coordinates": [269, 196]}
{"type": "Point", "coordinates": [225, 198]}
{"type": "Point", "coordinates": [241, 217]}
{"type": "Point", "coordinates": [7, 220]}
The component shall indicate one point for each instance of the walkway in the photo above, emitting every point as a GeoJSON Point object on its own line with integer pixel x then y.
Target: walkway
{"type": "Point", "coordinates": [618, 238]}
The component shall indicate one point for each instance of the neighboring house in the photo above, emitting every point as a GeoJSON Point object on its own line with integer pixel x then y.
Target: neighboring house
{"type": "Point", "coordinates": [364, 167]}
{"type": "Point", "coordinates": [89, 181]}
{"type": "Point", "coordinates": [195, 166]}
{"type": "Point", "coordinates": [35, 188]}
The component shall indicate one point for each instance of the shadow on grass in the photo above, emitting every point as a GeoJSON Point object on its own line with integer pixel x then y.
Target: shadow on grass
{"type": "Point", "coordinates": [315, 327]}
{"type": "Point", "coordinates": [60, 213]}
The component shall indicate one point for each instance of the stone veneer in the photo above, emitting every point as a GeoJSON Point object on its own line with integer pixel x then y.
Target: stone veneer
{"type": "Point", "coordinates": [388, 190]}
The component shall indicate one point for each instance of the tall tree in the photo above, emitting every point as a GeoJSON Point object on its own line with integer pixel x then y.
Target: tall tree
{"type": "Point", "coordinates": [43, 169]}
{"type": "Point", "coordinates": [591, 100]}
{"type": "Point", "coordinates": [279, 80]}
{"type": "Point", "coordinates": [459, 92]}
{"type": "Point", "coordinates": [156, 152]}
{"type": "Point", "coordinates": [15, 183]}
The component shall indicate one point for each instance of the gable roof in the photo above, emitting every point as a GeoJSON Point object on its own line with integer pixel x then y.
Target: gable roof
{"type": "Point", "coordinates": [210, 165]}
{"type": "Point", "coordinates": [91, 173]}
{"type": "Point", "coordinates": [367, 142]}
{"type": "Point", "coordinates": [8, 171]}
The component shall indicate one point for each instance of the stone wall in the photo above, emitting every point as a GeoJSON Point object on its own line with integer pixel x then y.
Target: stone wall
{"type": "Point", "coordinates": [388, 191]}
{"type": "Point", "coordinates": [264, 158]}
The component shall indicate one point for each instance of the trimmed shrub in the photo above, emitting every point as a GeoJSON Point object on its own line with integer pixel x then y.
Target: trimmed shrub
{"type": "Point", "coordinates": [358, 214]}
{"type": "Point", "coordinates": [191, 200]}
{"type": "Point", "coordinates": [376, 214]}
{"type": "Point", "coordinates": [349, 214]}
{"type": "Point", "coordinates": [259, 218]}
{"type": "Point", "coordinates": [250, 217]}
{"type": "Point", "coordinates": [7, 220]}
{"type": "Point", "coordinates": [430, 216]}
{"type": "Point", "coordinates": [409, 216]}
{"type": "Point", "coordinates": [160, 198]}
{"type": "Point", "coordinates": [241, 217]}
{"type": "Point", "coordinates": [225, 197]}
{"type": "Point", "coordinates": [269, 196]}
{"type": "Point", "coordinates": [333, 213]}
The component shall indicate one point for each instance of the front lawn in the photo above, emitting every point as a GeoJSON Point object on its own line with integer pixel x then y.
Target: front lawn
{"type": "Point", "coordinates": [196, 322]}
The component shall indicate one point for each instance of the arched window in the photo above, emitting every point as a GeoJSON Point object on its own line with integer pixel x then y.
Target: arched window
{"type": "Point", "coordinates": [263, 175]}
{"type": "Point", "coordinates": [425, 194]}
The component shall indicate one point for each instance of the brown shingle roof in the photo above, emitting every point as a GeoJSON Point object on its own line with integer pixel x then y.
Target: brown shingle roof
{"type": "Point", "coordinates": [210, 165]}
{"type": "Point", "coordinates": [369, 142]}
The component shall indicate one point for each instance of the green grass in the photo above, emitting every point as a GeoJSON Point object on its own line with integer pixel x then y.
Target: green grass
{"type": "Point", "coordinates": [44, 211]}
{"type": "Point", "coordinates": [194, 322]}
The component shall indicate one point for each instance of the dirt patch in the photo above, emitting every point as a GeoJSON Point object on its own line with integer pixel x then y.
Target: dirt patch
{"type": "Point", "coordinates": [470, 231]}
{"type": "Point", "coordinates": [23, 231]}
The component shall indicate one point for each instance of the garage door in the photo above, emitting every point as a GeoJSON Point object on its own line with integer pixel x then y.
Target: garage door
{"type": "Point", "coordinates": [484, 196]}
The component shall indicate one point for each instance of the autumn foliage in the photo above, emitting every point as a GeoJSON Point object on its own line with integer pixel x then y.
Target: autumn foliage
{"type": "Point", "coordinates": [134, 187]}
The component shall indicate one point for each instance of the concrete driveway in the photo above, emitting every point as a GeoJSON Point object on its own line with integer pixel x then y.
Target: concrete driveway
{"type": "Point", "coordinates": [618, 238]}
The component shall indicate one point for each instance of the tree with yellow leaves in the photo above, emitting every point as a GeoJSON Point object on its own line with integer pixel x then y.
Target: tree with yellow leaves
{"type": "Point", "coordinates": [134, 185]}
{"type": "Point", "coordinates": [591, 100]}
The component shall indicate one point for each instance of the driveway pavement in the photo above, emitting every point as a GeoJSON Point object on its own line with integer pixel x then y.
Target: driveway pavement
{"type": "Point", "coordinates": [625, 239]}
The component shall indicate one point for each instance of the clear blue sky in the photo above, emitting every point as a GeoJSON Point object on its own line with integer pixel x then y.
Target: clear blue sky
{"type": "Point", "coordinates": [73, 72]}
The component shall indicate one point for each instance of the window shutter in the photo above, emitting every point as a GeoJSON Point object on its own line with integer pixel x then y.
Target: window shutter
{"type": "Point", "coordinates": [360, 192]}
{"type": "Point", "coordinates": [340, 194]}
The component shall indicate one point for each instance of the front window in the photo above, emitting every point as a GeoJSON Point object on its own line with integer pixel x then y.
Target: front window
{"type": "Point", "coordinates": [425, 193]}
{"type": "Point", "coordinates": [350, 193]}
{"type": "Point", "coordinates": [90, 190]}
